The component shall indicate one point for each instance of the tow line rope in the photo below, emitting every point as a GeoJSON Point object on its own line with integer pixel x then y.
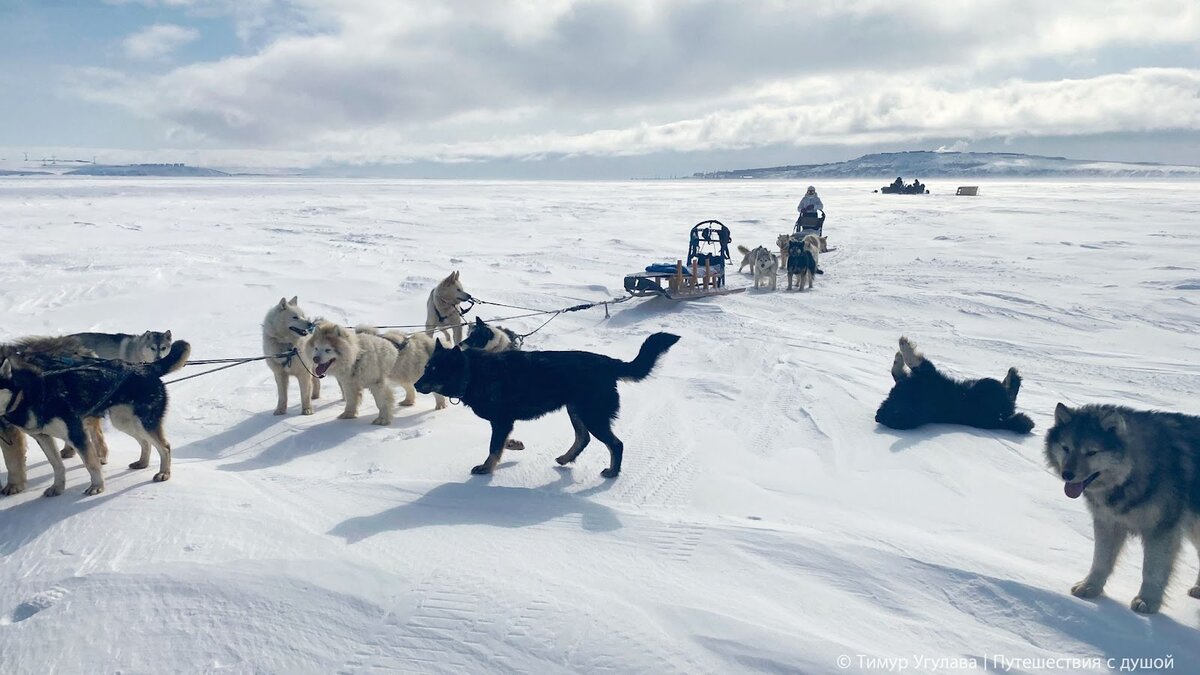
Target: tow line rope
{"type": "Point", "coordinates": [231, 363]}
{"type": "Point", "coordinates": [554, 314]}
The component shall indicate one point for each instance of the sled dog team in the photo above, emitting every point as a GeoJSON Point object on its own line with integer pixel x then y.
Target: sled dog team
{"type": "Point", "coordinates": [1139, 472]}
{"type": "Point", "coordinates": [799, 255]}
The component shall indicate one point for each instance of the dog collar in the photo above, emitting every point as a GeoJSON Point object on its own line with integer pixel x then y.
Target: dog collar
{"type": "Point", "coordinates": [16, 401]}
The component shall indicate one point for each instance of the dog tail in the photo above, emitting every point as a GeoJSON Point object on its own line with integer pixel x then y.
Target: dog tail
{"type": "Point", "coordinates": [655, 346]}
{"type": "Point", "coordinates": [743, 250]}
{"type": "Point", "coordinates": [1019, 423]}
{"type": "Point", "coordinates": [173, 361]}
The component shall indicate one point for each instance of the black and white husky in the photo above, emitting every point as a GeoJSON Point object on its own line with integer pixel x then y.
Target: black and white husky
{"type": "Point", "coordinates": [490, 338]}
{"type": "Point", "coordinates": [55, 403]}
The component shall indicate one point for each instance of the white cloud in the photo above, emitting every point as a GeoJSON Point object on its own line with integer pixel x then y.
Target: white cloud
{"type": "Point", "coordinates": [956, 146]}
{"type": "Point", "coordinates": [410, 79]}
{"type": "Point", "coordinates": [158, 41]}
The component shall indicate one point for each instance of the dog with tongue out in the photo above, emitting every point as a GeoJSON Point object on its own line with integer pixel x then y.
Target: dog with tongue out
{"type": "Point", "coordinates": [1139, 474]}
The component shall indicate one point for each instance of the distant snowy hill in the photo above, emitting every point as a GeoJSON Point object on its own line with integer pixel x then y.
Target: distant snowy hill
{"type": "Point", "coordinates": [146, 170]}
{"type": "Point", "coordinates": [923, 164]}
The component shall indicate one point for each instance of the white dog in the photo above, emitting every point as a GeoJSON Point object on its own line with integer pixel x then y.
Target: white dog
{"type": "Point", "coordinates": [287, 327]}
{"type": "Point", "coordinates": [765, 266]}
{"type": "Point", "coordinates": [364, 359]}
{"type": "Point", "coordinates": [442, 309]}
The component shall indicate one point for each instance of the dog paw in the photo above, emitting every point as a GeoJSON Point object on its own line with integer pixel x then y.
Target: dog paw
{"type": "Point", "coordinates": [406, 403]}
{"type": "Point", "coordinates": [52, 491]}
{"type": "Point", "coordinates": [347, 416]}
{"type": "Point", "coordinates": [1194, 591]}
{"type": "Point", "coordinates": [1145, 606]}
{"type": "Point", "coordinates": [564, 460]}
{"type": "Point", "coordinates": [1086, 589]}
{"type": "Point", "coordinates": [280, 411]}
{"type": "Point", "coordinates": [12, 489]}
{"type": "Point", "coordinates": [610, 473]}
{"type": "Point", "coordinates": [67, 452]}
{"type": "Point", "coordinates": [140, 464]}
{"type": "Point", "coordinates": [306, 411]}
{"type": "Point", "coordinates": [93, 490]}
{"type": "Point", "coordinates": [513, 444]}
{"type": "Point", "coordinates": [161, 476]}
{"type": "Point", "coordinates": [441, 405]}
{"type": "Point", "coordinates": [381, 421]}
{"type": "Point", "coordinates": [481, 470]}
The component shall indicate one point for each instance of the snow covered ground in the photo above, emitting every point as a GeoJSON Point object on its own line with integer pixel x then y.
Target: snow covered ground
{"type": "Point", "coordinates": [763, 521]}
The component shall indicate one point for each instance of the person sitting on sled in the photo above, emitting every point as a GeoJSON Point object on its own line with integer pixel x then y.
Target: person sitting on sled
{"type": "Point", "coordinates": [810, 203]}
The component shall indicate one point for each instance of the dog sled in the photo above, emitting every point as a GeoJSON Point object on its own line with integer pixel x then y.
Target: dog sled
{"type": "Point", "coordinates": [700, 276]}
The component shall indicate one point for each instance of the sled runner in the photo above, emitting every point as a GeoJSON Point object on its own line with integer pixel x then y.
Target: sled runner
{"type": "Point", "coordinates": [702, 275]}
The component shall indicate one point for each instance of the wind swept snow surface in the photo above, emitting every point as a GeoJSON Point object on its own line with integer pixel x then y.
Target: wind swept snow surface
{"type": "Point", "coordinates": [763, 522]}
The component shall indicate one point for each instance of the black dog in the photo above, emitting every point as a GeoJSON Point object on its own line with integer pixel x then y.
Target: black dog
{"type": "Point", "coordinates": [923, 395]}
{"type": "Point", "coordinates": [513, 385]}
{"type": "Point", "coordinates": [57, 403]}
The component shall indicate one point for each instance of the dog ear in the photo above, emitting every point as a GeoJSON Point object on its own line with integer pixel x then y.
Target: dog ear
{"type": "Point", "coordinates": [6, 369]}
{"type": "Point", "coordinates": [479, 322]}
{"type": "Point", "coordinates": [1063, 414]}
{"type": "Point", "coordinates": [437, 346]}
{"type": "Point", "coordinates": [1113, 423]}
{"type": "Point", "coordinates": [294, 301]}
{"type": "Point", "coordinates": [167, 335]}
{"type": "Point", "coordinates": [282, 303]}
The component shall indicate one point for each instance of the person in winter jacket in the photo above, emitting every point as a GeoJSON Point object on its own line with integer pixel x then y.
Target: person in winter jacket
{"type": "Point", "coordinates": [810, 203]}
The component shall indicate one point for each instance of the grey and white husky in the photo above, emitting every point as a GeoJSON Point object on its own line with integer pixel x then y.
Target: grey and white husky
{"type": "Point", "coordinates": [145, 348]}
{"type": "Point", "coordinates": [1140, 475]}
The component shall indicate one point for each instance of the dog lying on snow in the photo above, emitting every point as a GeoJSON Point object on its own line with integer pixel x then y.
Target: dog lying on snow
{"type": "Point", "coordinates": [516, 385]}
{"type": "Point", "coordinates": [363, 358]}
{"type": "Point", "coordinates": [56, 403]}
{"type": "Point", "coordinates": [924, 395]}
{"type": "Point", "coordinates": [1139, 473]}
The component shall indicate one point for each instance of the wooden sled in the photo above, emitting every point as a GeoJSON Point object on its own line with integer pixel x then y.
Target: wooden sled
{"type": "Point", "coordinates": [704, 274]}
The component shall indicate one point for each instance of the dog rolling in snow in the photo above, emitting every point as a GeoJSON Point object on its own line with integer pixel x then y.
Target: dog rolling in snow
{"type": "Point", "coordinates": [803, 256]}
{"type": "Point", "coordinates": [490, 339]}
{"type": "Point", "coordinates": [924, 395]}
{"type": "Point", "coordinates": [365, 359]}
{"type": "Point", "coordinates": [56, 403]}
{"type": "Point", "coordinates": [1139, 473]}
{"type": "Point", "coordinates": [287, 327]}
{"type": "Point", "coordinates": [517, 385]}
{"type": "Point", "coordinates": [442, 309]}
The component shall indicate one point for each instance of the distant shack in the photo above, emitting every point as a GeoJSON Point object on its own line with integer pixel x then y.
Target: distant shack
{"type": "Point", "coordinates": [177, 170]}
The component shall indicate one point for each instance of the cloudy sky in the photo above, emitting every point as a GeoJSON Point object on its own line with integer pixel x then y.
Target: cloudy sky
{"type": "Point", "coordinates": [594, 87]}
